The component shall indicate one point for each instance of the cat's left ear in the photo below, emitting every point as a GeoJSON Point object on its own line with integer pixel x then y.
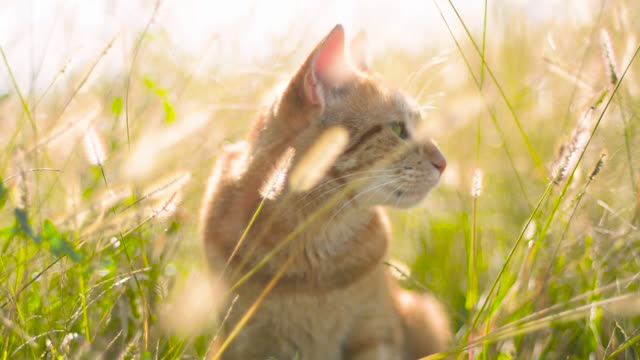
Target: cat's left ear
{"type": "Point", "coordinates": [359, 48]}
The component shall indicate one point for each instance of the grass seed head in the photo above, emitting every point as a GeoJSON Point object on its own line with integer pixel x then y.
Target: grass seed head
{"type": "Point", "coordinates": [94, 147]}
{"type": "Point", "coordinates": [22, 179]}
{"type": "Point", "coordinates": [598, 167]}
{"type": "Point", "coordinates": [276, 180]}
{"type": "Point", "coordinates": [192, 305]}
{"type": "Point", "coordinates": [318, 159]}
{"type": "Point", "coordinates": [609, 57]}
{"type": "Point", "coordinates": [170, 184]}
{"type": "Point", "coordinates": [571, 151]}
{"type": "Point", "coordinates": [477, 183]}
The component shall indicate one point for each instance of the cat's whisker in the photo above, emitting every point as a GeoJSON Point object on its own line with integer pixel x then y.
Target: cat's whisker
{"type": "Point", "coordinates": [357, 173]}
{"type": "Point", "coordinates": [381, 167]}
{"type": "Point", "coordinates": [322, 184]}
{"type": "Point", "coordinates": [334, 189]}
{"type": "Point", "coordinates": [354, 198]}
{"type": "Point", "coordinates": [375, 171]}
{"type": "Point", "coordinates": [397, 202]}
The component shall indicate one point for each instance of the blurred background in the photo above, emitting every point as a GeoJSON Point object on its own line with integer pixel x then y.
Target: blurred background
{"type": "Point", "coordinates": [42, 37]}
{"type": "Point", "coordinates": [112, 114]}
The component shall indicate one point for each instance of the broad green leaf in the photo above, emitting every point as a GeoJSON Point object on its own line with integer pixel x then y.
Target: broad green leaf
{"type": "Point", "coordinates": [57, 243]}
{"type": "Point", "coordinates": [116, 106]}
{"type": "Point", "coordinates": [25, 225]}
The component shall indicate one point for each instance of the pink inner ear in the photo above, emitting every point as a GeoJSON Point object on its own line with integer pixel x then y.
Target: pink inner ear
{"type": "Point", "coordinates": [330, 55]}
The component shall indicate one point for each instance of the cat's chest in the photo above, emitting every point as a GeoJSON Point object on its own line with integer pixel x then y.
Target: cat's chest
{"type": "Point", "coordinates": [320, 322]}
{"type": "Point", "coordinates": [342, 232]}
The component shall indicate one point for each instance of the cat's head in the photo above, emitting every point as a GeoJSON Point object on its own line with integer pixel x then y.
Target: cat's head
{"type": "Point", "coordinates": [386, 158]}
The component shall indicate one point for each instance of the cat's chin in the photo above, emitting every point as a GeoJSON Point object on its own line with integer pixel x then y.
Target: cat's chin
{"type": "Point", "coordinates": [404, 199]}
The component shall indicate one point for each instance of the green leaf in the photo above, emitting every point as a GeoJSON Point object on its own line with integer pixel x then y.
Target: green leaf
{"type": "Point", "coordinates": [116, 106]}
{"type": "Point", "coordinates": [57, 243]}
{"type": "Point", "coordinates": [3, 194]}
{"type": "Point", "coordinates": [148, 83]}
{"type": "Point", "coordinates": [170, 114]}
{"type": "Point", "coordinates": [8, 234]}
{"type": "Point", "coordinates": [87, 192]}
{"type": "Point", "coordinates": [34, 300]}
{"type": "Point", "coordinates": [129, 201]}
{"type": "Point", "coordinates": [201, 346]}
{"type": "Point", "coordinates": [25, 225]}
{"type": "Point", "coordinates": [161, 92]}
{"type": "Point", "coordinates": [173, 227]}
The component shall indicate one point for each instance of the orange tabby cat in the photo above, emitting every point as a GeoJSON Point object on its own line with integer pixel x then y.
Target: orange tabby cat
{"type": "Point", "coordinates": [326, 246]}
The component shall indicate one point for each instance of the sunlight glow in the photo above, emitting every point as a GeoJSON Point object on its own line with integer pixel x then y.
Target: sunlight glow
{"type": "Point", "coordinates": [43, 38]}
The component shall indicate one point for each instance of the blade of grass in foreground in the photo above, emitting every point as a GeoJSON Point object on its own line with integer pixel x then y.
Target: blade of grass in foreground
{"type": "Point", "coordinates": [254, 307]}
{"type": "Point", "coordinates": [511, 331]}
{"type": "Point", "coordinates": [629, 342]}
{"type": "Point", "coordinates": [27, 111]}
{"type": "Point", "coordinates": [507, 261]}
{"type": "Point", "coordinates": [489, 110]}
{"type": "Point", "coordinates": [534, 155]}
{"type": "Point", "coordinates": [484, 41]}
{"type": "Point", "coordinates": [136, 51]}
{"type": "Point", "coordinates": [23, 101]}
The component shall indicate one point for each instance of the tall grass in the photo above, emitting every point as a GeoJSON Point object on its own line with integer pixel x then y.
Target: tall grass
{"type": "Point", "coordinates": [101, 183]}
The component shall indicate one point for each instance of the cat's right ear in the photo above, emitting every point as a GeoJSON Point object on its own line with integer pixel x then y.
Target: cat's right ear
{"type": "Point", "coordinates": [327, 67]}
{"type": "Point", "coordinates": [360, 56]}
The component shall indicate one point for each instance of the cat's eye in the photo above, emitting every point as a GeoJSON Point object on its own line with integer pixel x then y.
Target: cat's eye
{"type": "Point", "coordinates": [400, 129]}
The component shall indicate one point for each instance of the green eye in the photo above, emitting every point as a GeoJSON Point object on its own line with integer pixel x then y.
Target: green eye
{"type": "Point", "coordinates": [400, 129]}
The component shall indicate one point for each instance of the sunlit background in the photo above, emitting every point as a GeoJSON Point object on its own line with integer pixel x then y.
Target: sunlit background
{"type": "Point", "coordinates": [42, 37]}
{"type": "Point", "coordinates": [112, 113]}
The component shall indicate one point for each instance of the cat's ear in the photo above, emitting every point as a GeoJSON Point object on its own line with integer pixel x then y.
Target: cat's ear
{"type": "Point", "coordinates": [359, 47]}
{"type": "Point", "coordinates": [327, 67]}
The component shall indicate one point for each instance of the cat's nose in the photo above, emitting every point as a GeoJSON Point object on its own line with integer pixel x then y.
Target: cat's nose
{"type": "Point", "coordinates": [439, 163]}
{"type": "Point", "coordinates": [435, 156]}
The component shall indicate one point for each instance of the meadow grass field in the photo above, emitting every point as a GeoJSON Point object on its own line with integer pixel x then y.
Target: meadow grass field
{"type": "Point", "coordinates": [531, 240]}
